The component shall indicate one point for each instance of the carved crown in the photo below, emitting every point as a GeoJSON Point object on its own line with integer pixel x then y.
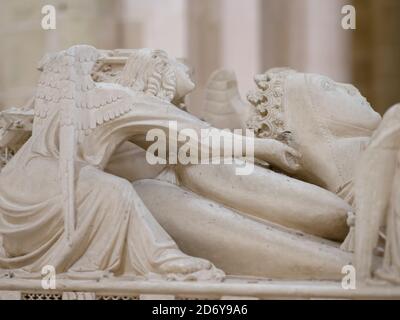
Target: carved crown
{"type": "Point", "coordinates": [268, 118]}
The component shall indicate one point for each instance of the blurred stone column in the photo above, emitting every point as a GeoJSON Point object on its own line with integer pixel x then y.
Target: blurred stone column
{"type": "Point", "coordinates": [157, 24]}
{"type": "Point", "coordinates": [361, 53]}
{"type": "Point", "coordinates": [24, 42]}
{"type": "Point", "coordinates": [241, 40]}
{"type": "Point", "coordinates": [327, 44]}
{"type": "Point", "coordinates": [305, 35]}
{"type": "Point", "coordinates": [204, 45]}
{"type": "Point", "coordinates": [386, 37]}
{"type": "Point", "coordinates": [376, 51]}
{"type": "Point", "coordinates": [282, 31]}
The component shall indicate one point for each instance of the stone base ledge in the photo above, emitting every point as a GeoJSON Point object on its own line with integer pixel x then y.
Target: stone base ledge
{"type": "Point", "coordinates": [115, 289]}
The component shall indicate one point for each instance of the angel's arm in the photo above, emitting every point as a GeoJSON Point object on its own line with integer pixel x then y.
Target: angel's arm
{"type": "Point", "coordinates": [175, 124]}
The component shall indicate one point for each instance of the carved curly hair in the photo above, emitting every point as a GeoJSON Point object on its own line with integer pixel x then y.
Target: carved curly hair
{"type": "Point", "coordinates": [150, 71]}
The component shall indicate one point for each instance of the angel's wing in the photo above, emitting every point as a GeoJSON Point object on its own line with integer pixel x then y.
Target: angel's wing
{"type": "Point", "coordinates": [223, 106]}
{"type": "Point", "coordinates": [67, 88]}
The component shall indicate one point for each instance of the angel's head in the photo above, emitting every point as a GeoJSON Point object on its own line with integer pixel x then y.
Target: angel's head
{"type": "Point", "coordinates": [153, 72]}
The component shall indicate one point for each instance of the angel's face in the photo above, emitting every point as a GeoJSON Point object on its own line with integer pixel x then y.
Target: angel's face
{"type": "Point", "coordinates": [184, 83]}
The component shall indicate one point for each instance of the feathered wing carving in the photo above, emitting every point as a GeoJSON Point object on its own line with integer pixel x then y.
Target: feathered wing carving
{"type": "Point", "coordinates": [66, 89]}
{"type": "Point", "coordinates": [223, 106]}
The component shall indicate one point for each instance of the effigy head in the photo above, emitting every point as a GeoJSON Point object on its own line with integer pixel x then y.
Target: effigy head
{"type": "Point", "coordinates": [328, 122]}
{"type": "Point", "coordinates": [284, 95]}
{"type": "Point", "coordinates": [155, 73]}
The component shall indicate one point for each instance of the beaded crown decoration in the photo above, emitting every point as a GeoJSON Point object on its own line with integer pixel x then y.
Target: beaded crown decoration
{"type": "Point", "coordinates": [268, 118]}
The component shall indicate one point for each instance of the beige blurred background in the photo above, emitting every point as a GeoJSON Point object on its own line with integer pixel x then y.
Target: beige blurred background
{"type": "Point", "coordinates": [248, 36]}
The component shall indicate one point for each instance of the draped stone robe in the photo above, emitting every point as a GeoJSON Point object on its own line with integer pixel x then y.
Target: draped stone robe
{"type": "Point", "coordinates": [377, 187]}
{"type": "Point", "coordinates": [115, 231]}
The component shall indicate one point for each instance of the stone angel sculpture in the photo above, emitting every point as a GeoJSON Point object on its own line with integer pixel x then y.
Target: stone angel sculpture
{"type": "Point", "coordinates": [57, 205]}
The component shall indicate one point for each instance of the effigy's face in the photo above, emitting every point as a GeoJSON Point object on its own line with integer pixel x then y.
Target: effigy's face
{"type": "Point", "coordinates": [184, 83]}
{"type": "Point", "coordinates": [339, 93]}
{"type": "Point", "coordinates": [341, 102]}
